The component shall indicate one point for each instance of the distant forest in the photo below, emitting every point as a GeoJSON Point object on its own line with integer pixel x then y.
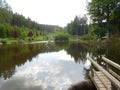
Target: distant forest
{"type": "Point", "coordinates": [16, 25]}
{"type": "Point", "coordinates": [105, 22]}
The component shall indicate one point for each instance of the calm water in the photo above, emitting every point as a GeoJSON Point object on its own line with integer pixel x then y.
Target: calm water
{"type": "Point", "coordinates": [46, 66]}
{"type": "Point", "coordinates": [42, 66]}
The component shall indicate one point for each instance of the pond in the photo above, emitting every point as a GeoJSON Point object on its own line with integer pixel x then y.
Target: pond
{"type": "Point", "coordinates": [41, 66]}
{"type": "Point", "coordinates": [45, 66]}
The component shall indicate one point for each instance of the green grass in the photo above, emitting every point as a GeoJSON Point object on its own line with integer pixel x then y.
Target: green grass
{"type": "Point", "coordinates": [27, 39]}
{"type": "Point", "coordinates": [83, 39]}
{"type": "Point", "coordinates": [9, 40]}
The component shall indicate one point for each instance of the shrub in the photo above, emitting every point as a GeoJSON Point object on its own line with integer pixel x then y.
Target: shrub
{"type": "Point", "coordinates": [62, 37]}
{"type": "Point", "coordinates": [88, 37]}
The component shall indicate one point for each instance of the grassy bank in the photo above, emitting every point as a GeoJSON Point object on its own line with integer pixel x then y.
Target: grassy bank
{"type": "Point", "coordinates": [86, 39]}
{"type": "Point", "coordinates": [19, 40]}
{"type": "Point", "coordinates": [8, 40]}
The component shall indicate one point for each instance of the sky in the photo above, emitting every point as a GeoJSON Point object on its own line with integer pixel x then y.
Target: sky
{"type": "Point", "coordinates": [53, 12]}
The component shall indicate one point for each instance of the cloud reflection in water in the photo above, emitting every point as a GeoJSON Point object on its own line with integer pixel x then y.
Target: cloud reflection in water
{"type": "Point", "coordinates": [48, 71]}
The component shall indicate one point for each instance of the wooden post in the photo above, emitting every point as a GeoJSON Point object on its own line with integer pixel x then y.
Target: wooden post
{"type": "Point", "coordinates": [92, 72]}
{"type": "Point", "coordinates": [113, 87]}
{"type": "Point", "coordinates": [107, 66]}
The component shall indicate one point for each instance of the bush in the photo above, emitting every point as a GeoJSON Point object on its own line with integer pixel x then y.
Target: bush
{"type": "Point", "coordinates": [62, 37]}
{"type": "Point", "coordinates": [88, 37]}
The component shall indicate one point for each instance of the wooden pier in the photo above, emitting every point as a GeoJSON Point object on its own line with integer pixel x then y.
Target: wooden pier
{"type": "Point", "coordinates": [103, 76]}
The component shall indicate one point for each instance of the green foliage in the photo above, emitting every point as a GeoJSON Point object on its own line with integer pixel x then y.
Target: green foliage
{"type": "Point", "coordinates": [4, 4]}
{"type": "Point", "coordinates": [105, 12]}
{"type": "Point", "coordinates": [2, 31]}
{"type": "Point", "coordinates": [62, 37]}
{"type": "Point", "coordinates": [100, 31]}
{"type": "Point", "coordinates": [14, 25]}
{"type": "Point", "coordinates": [9, 40]}
{"type": "Point", "coordinates": [78, 26]}
{"type": "Point", "coordinates": [9, 30]}
{"type": "Point", "coordinates": [88, 37]}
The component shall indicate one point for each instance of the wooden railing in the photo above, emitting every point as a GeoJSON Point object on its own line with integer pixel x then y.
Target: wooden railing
{"type": "Point", "coordinates": [112, 76]}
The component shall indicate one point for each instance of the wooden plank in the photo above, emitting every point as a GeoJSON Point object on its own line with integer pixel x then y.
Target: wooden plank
{"type": "Point", "coordinates": [98, 83]}
{"type": "Point", "coordinates": [102, 89]}
{"type": "Point", "coordinates": [104, 79]}
{"type": "Point", "coordinates": [108, 75]}
{"type": "Point", "coordinates": [93, 80]}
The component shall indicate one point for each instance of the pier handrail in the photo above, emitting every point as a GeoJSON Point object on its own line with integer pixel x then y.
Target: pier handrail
{"type": "Point", "coordinates": [113, 80]}
{"type": "Point", "coordinates": [111, 62]}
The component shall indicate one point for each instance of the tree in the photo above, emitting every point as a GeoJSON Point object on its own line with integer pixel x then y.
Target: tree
{"type": "Point", "coordinates": [30, 34]}
{"type": "Point", "coordinates": [10, 20]}
{"type": "Point", "coordinates": [78, 26]}
{"type": "Point", "coordinates": [84, 23]}
{"type": "Point", "coordinates": [104, 12]}
{"type": "Point", "coordinates": [16, 33]}
{"type": "Point", "coordinates": [114, 19]}
{"type": "Point", "coordinates": [4, 4]}
{"type": "Point", "coordinates": [37, 33]}
{"type": "Point", "coordinates": [3, 31]}
{"type": "Point", "coordinates": [9, 30]}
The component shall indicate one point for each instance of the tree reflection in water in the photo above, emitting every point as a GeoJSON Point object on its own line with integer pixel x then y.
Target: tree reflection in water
{"type": "Point", "coordinates": [40, 65]}
{"type": "Point", "coordinates": [16, 55]}
{"type": "Point", "coordinates": [12, 56]}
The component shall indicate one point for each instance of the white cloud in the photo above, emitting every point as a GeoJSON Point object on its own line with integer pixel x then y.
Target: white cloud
{"type": "Point", "coordinates": [48, 71]}
{"type": "Point", "coordinates": [56, 12]}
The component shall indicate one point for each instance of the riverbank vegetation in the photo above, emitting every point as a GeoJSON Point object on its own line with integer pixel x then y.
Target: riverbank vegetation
{"type": "Point", "coordinates": [62, 37]}
{"type": "Point", "coordinates": [104, 24]}
{"type": "Point", "coordinates": [15, 28]}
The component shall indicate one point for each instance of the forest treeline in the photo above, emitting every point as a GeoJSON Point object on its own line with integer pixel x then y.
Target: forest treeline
{"type": "Point", "coordinates": [78, 26]}
{"type": "Point", "coordinates": [14, 25]}
{"type": "Point", "coordinates": [104, 20]}
{"type": "Point", "coordinates": [104, 15]}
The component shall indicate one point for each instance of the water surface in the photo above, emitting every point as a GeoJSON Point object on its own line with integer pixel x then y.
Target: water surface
{"type": "Point", "coordinates": [40, 66]}
{"type": "Point", "coordinates": [48, 66]}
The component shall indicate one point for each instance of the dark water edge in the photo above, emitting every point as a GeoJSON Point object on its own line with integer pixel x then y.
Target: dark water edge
{"type": "Point", "coordinates": [83, 85]}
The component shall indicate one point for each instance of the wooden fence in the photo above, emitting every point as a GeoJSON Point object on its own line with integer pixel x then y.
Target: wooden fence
{"type": "Point", "coordinates": [103, 76]}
